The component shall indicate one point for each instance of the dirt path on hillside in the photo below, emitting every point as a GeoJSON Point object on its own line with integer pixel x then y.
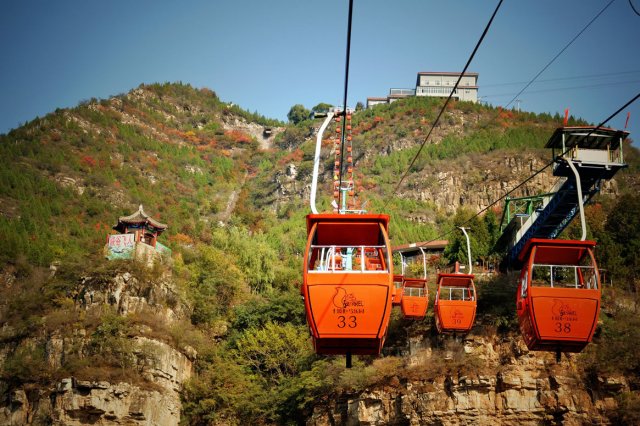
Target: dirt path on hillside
{"type": "Point", "coordinates": [231, 202]}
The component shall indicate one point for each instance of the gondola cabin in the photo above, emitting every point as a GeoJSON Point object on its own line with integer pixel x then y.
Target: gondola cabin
{"type": "Point", "coordinates": [558, 299]}
{"type": "Point", "coordinates": [415, 299]}
{"type": "Point", "coordinates": [348, 282]}
{"type": "Point", "coordinates": [455, 305]}
{"type": "Point", "coordinates": [398, 290]}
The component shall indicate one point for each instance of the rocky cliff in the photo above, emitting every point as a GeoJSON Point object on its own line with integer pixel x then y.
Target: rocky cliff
{"type": "Point", "coordinates": [120, 372]}
{"type": "Point", "coordinates": [474, 184]}
{"type": "Point", "coordinates": [509, 386]}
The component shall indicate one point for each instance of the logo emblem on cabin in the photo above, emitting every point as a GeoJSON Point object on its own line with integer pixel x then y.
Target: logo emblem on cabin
{"type": "Point", "coordinates": [346, 302]}
{"type": "Point", "coordinates": [456, 315]}
{"type": "Point", "coordinates": [563, 311]}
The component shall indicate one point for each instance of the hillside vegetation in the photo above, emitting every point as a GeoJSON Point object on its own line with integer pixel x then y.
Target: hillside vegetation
{"type": "Point", "coordinates": [203, 167]}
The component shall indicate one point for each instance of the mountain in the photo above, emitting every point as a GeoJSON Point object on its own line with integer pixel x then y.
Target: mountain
{"type": "Point", "coordinates": [218, 335]}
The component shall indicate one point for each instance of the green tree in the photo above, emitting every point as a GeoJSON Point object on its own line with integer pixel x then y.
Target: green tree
{"type": "Point", "coordinates": [359, 106]}
{"type": "Point", "coordinates": [298, 113]}
{"type": "Point", "coordinates": [479, 236]}
{"type": "Point", "coordinates": [291, 138]}
{"type": "Point", "coordinates": [321, 107]}
{"type": "Point", "coordinates": [622, 240]}
{"type": "Point", "coordinates": [251, 252]}
{"type": "Point", "coordinates": [276, 351]}
{"type": "Point", "coordinates": [217, 285]}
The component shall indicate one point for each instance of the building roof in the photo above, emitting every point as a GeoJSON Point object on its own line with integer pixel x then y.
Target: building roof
{"type": "Point", "coordinates": [138, 218]}
{"type": "Point", "coordinates": [413, 249]}
{"type": "Point", "coordinates": [577, 135]}
{"type": "Point", "coordinates": [376, 99]}
{"type": "Point", "coordinates": [470, 74]}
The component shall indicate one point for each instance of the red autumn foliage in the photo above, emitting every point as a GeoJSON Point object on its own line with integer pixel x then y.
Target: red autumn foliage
{"type": "Point", "coordinates": [88, 160]}
{"type": "Point", "coordinates": [293, 157]}
{"type": "Point", "coordinates": [238, 136]}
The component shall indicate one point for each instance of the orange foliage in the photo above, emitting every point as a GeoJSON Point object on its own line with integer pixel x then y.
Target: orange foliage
{"type": "Point", "coordinates": [190, 135]}
{"type": "Point", "coordinates": [293, 157]}
{"type": "Point", "coordinates": [101, 225]}
{"type": "Point", "coordinates": [181, 239]}
{"type": "Point", "coordinates": [238, 136]}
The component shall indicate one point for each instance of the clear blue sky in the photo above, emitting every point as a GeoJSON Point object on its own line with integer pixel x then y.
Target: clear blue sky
{"type": "Point", "coordinates": [269, 55]}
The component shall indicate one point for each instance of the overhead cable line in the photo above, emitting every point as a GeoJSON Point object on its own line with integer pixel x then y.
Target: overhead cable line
{"type": "Point", "coordinates": [535, 174]}
{"type": "Point", "coordinates": [558, 89]}
{"type": "Point", "coordinates": [344, 110]}
{"type": "Point", "coordinates": [455, 87]}
{"type": "Point", "coordinates": [578, 77]}
{"type": "Point", "coordinates": [634, 8]}
{"type": "Point", "coordinates": [559, 53]}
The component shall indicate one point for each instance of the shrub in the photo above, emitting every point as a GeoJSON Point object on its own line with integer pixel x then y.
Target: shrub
{"type": "Point", "coordinates": [275, 351]}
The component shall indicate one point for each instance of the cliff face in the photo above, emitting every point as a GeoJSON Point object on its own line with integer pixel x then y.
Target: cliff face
{"type": "Point", "coordinates": [143, 390]}
{"type": "Point", "coordinates": [474, 184]}
{"type": "Point", "coordinates": [513, 387]}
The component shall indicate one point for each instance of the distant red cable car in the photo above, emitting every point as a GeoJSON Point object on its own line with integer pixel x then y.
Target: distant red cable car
{"type": "Point", "coordinates": [558, 300]}
{"type": "Point", "coordinates": [398, 291]}
{"type": "Point", "coordinates": [348, 282]}
{"type": "Point", "coordinates": [415, 300]}
{"type": "Point", "coordinates": [455, 305]}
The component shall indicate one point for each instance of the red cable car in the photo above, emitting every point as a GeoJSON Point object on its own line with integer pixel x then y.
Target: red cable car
{"type": "Point", "coordinates": [455, 304]}
{"type": "Point", "coordinates": [416, 298]}
{"type": "Point", "coordinates": [558, 298]}
{"type": "Point", "coordinates": [398, 291]}
{"type": "Point", "coordinates": [348, 282]}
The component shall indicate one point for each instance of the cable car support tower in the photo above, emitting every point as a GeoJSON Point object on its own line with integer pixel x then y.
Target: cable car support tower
{"type": "Point", "coordinates": [588, 155]}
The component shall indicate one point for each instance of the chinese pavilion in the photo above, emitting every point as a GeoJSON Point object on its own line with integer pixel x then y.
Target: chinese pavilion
{"type": "Point", "coordinates": [137, 238]}
{"type": "Point", "coordinates": [145, 228]}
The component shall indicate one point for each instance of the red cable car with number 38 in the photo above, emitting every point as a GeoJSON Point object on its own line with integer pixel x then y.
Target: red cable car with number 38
{"type": "Point", "coordinates": [558, 299]}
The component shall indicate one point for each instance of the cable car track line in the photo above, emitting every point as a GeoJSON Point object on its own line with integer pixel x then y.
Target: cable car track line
{"type": "Point", "coordinates": [455, 87]}
{"type": "Point", "coordinates": [559, 53]}
{"type": "Point", "coordinates": [344, 103]}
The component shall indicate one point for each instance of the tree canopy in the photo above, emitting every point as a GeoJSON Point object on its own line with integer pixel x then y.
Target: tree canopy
{"type": "Point", "coordinates": [298, 113]}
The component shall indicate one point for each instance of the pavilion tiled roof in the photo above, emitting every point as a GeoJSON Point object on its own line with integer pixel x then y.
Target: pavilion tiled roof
{"type": "Point", "coordinates": [139, 217]}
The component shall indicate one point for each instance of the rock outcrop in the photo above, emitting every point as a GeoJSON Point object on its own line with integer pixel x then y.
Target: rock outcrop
{"type": "Point", "coordinates": [145, 391]}
{"type": "Point", "coordinates": [513, 387]}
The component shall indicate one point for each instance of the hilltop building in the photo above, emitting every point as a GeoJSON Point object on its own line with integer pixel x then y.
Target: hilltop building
{"type": "Point", "coordinates": [440, 84]}
{"type": "Point", "coordinates": [435, 84]}
{"type": "Point", "coordinates": [137, 239]}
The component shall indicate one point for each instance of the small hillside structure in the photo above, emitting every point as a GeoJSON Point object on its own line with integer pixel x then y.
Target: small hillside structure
{"type": "Point", "coordinates": [413, 252]}
{"type": "Point", "coordinates": [137, 238]}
